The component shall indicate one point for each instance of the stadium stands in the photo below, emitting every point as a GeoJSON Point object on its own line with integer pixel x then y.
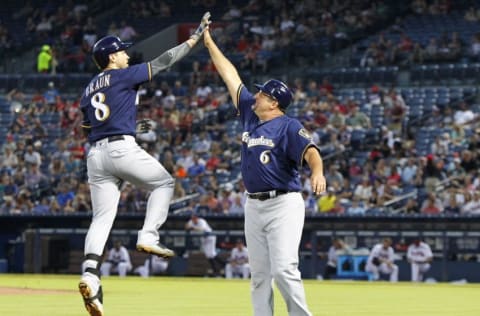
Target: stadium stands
{"type": "Point", "coordinates": [407, 106]}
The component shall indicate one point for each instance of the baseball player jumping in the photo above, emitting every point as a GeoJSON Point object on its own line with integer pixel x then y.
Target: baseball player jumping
{"type": "Point", "coordinates": [109, 106]}
{"type": "Point", "coordinates": [273, 146]}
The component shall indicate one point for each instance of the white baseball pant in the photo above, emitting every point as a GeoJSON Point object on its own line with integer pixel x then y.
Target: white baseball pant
{"type": "Point", "coordinates": [121, 268]}
{"type": "Point", "coordinates": [108, 165]}
{"type": "Point", "coordinates": [273, 229]}
{"type": "Point", "coordinates": [418, 270]}
{"type": "Point", "coordinates": [240, 269]}
{"type": "Point", "coordinates": [383, 268]}
{"type": "Point", "coordinates": [209, 246]}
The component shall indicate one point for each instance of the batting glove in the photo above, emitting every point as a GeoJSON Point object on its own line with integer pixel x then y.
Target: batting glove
{"type": "Point", "coordinates": [143, 126]}
{"type": "Point", "coordinates": [201, 28]}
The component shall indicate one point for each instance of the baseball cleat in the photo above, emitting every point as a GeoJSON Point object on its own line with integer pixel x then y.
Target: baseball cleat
{"type": "Point", "coordinates": [93, 303]}
{"type": "Point", "coordinates": [158, 249]}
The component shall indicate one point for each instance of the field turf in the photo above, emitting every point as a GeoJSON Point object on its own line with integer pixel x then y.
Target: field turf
{"type": "Point", "coordinates": [56, 295]}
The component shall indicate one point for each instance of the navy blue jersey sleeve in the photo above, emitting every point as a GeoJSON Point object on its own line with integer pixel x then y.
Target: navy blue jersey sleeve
{"type": "Point", "coordinates": [137, 74]}
{"type": "Point", "coordinates": [299, 140]}
{"type": "Point", "coordinates": [245, 101]}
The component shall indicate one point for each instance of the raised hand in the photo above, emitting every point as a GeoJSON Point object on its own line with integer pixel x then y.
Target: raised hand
{"type": "Point", "coordinates": [201, 28]}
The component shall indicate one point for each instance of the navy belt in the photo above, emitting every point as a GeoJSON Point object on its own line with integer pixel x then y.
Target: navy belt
{"type": "Point", "coordinates": [114, 138]}
{"type": "Point", "coordinates": [111, 139]}
{"type": "Point", "coordinates": [262, 196]}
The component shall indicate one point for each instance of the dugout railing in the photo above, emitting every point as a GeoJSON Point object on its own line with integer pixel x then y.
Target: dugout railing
{"type": "Point", "coordinates": [57, 250]}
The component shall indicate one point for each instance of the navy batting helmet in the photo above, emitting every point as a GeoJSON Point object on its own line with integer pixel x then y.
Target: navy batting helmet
{"type": "Point", "coordinates": [106, 46]}
{"type": "Point", "coordinates": [278, 91]}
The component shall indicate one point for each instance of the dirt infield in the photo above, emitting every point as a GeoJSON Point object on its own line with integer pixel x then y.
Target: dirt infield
{"type": "Point", "coordinates": [30, 291]}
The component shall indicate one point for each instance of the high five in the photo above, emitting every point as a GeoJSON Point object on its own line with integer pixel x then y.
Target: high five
{"type": "Point", "coordinates": [273, 147]}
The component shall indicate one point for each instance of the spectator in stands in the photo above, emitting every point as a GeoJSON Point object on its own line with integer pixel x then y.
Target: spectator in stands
{"type": "Point", "coordinates": [90, 35]}
{"type": "Point", "coordinates": [8, 205]}
{"type": "Point", "coordinates": [8, 160]}
{"type": "Point", "coordinates": [237, 264]}
{"type": "Point", "coordinates": [431, 205]}
{"type": "Point", "coordinates": [356, 208]}
{"type": "Point", "coordinates": [472, 204]}
{"type": "Point", "coordinates": [454, 47]}
{"type": "Point", "coordinates": [363, 190]}
{"type": "Point", "coordinates": [329, 202]}
{"type": "Point", "coordinates": [333, 174]}
{"type": "Point", "coordinates": [381, 261]}
{"type": "Point", "coordinates": [458, 135]}
{"type": "Point", "coordinates": [38, 131]}
{"type": "Point", "coordinates": [433, 173]}
{"type": "Point", "coordinates": [419, 255]}
{"type": "Point", "coordinates": [118, 261]}
{"type": "Point", "coordinates": [471, 15]}
{"type": "Point", "coordinates": [34, 178]}
{"type": "Point", "coordinates": [358, 119]}
{"type": "Point", "coordinates": [440, 147]}
{"type": "Point", "coordinates": [464, 115]}
{"type": "Point", "coordinates": [411, 207]}
{"type": "Point", "coordinates": [164, 9]}
{"type": "Point", "coordinates": [32, 157]}
{"type": "Point", "coordinates": [432, 50]}
{"type": "Point", "coordinates": [238, 206]}
{"type": "Point", "coordinates": [178, 191]}
{"type": "Point", "coordinates": [81, 203]}
{"type": "Point", "coordinates": [153, 265]}
{"type": "Point", "coordinates": [311, 206]}
{"type": "Point", "coordinates": [336, 119]}
{"type": "Point", "coordinates": [42, 207]}
{"type": "Point", "coordinates": [226, 197]}
{"type": "Point", "coordinates": [417, 56]}
{"type": "Point", "coordinates": [345, 191]}
{"type": "Point", "coordinates": [65, 196]}
{"type": "Point", "coordinates": [369, 58]}
{"type": "Point", "coordinates": [474, 51]}
{"type": "Point", "coordinates": [50, 95]}
{"type": "Point", "coordinates": [113, 29]}
{"type": "Point", "coordinates": [44, 59]}
{"type": "Point", "coordinates": [208, 241]}
{"type": "Point", "coordinates": [419, 6]}
{"type": "Point", "coordinates": [408, 171]}
{"type": "Point", "coordinates": [127, 32]}
{"type": "Point", "coordinates": [469, 161]}
{"type": "Point", "coordinates": [196, 186]}
{"type": "Point", "coordinates": [23, 203]}
{"type": "Point", "coordinates": [197, 168]}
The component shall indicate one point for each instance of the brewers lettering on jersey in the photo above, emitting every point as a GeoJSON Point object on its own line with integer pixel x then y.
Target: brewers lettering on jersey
{"type": "Point", "coordinates": [109, 106]}
{"type": "Point", "coordinates": [274, 146]}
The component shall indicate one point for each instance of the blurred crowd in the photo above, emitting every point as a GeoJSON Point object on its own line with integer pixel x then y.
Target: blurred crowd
{"type": "Point", "coordinates": [258, 32]}
{"type": "Point", "coordinates": [197, 138]}
{"type": "Point", "coordinates": [373, 159]}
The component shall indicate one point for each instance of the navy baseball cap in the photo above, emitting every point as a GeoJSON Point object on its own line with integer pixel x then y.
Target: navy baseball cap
{"type": "Point", "coordinates": [106, 46]}
{"type": "Point", "coordinates": [278, 91]}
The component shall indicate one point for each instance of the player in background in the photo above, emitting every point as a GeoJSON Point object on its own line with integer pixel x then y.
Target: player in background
{"type": "Point", "coordinates": [109, 107]}
{"type": "Point", "coordinates": [238, 262]}
{"type": "Point", "coordinates": [209, 241]}
{"type": "Point", "coordinates": [338, 246]}
{"type": "Point", "coordinates": [118, 261]}
{"type": "Point", "coordinates": [153, 265]}
{"type": "Point", "coordinates": [419, 254]}
{"type": "Point", "coordinates": [381, 260]}
{"type": "Point", "coordinates": [273, 147]}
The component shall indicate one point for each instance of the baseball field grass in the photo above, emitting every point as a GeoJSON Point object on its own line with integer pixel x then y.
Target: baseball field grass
{"type": "Point", "coordinates": [56, 295]}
